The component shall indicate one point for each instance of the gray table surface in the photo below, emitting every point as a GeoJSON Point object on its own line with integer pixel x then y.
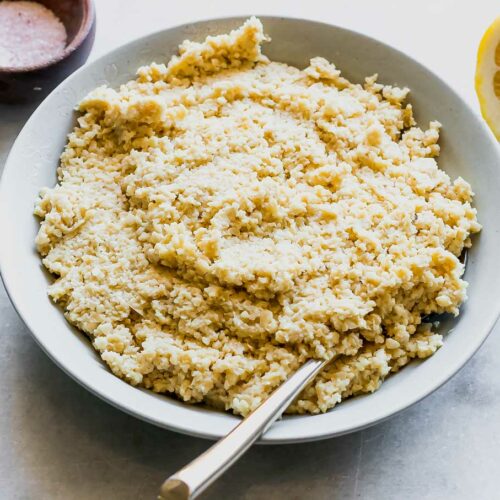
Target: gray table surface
{"type": "Point", "coordinates": [57, 441]}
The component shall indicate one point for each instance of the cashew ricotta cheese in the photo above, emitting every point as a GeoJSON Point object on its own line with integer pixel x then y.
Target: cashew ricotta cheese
{"type": "Point", "coordinates": [222, 218]}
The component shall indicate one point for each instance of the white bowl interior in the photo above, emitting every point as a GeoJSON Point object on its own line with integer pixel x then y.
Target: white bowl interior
{"type": "Point", "coordinates": [468, 150]}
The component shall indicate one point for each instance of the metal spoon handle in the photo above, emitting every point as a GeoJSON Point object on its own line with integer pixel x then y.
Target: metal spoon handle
{"type": "Point", "coordinates": [192, 479]}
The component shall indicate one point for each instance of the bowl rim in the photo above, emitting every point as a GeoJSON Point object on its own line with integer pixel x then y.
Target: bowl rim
{"type": "Point", "coordinates": [307, 434]}
{"type": "Point", "coordinates": [86, 23]}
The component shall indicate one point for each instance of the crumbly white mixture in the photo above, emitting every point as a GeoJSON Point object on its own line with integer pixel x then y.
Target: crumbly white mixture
{"type": "Point", "coordinates": [223, 218]}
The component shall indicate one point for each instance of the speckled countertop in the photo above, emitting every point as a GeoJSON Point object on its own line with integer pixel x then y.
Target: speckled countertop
{"type": "Point", "coordinates": [57, 441]}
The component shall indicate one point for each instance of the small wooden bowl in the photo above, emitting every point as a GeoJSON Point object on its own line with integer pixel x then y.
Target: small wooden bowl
{"type": "Point", "coordinates": [34, 82]}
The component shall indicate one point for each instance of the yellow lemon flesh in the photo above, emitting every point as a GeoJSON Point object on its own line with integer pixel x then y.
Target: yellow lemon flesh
{"type": "Point", "coordinates": [488, 76]}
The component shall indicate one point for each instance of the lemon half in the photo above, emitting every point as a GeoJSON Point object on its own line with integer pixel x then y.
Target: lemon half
{"type": "Point", "coordinates": [488, 76]}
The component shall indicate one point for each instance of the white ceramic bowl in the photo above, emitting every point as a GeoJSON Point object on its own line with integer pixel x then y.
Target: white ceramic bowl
{"type": "Point", "coordinates": [468, 149]}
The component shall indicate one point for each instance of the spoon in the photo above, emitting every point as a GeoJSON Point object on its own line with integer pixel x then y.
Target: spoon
{"type": "Point", "coordinates": [192, 479]}
{"type": "Point", "coordinates": [195, 477]}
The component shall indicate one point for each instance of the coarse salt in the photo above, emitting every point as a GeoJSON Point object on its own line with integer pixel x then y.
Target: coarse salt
{"type": "Point", "coordinates": [30, 34]}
